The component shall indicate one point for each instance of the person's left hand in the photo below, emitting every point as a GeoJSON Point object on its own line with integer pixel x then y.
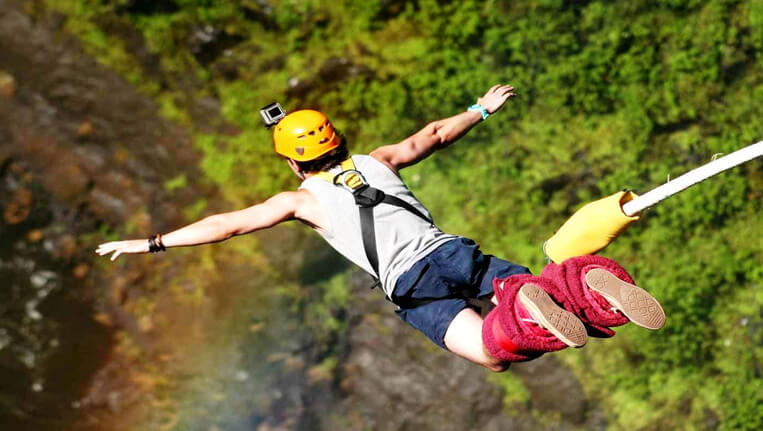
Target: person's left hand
{"type": "Point", "coordinates": [121, 247]}
{"type": "Point", "coordinates": [494, 99]}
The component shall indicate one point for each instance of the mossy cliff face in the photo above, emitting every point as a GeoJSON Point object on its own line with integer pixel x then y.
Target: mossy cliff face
{"type": "Point", "coordinates": [124, 118]}
{"type": "Point", "coordinates": [81, 155]}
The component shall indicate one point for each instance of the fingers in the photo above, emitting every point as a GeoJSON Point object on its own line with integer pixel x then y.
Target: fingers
{"type": "Point", "coordinates": [505, 89]}
{"type": "Point", "coordinates": [500, 89]}
{"type": "Point", "coordinates": [107, 248]}
{"type": "Point", "coordinates": [495, 98]}
{"type": "Point", "coordinates": [506, 92]}
{"type": "Point", "coordinates": [497, 95]}
{"type": "Point", "coordinates": [122, 247]}
{"type": "Point", "coordinates": [117, 248]}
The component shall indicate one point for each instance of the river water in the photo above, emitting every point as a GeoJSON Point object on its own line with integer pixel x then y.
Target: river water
{"type": "Point", "coordinates": [50, 346]}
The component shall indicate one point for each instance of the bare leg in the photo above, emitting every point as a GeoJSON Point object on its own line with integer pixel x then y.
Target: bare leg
{"type": "Point", "coordinates": [464, 338]}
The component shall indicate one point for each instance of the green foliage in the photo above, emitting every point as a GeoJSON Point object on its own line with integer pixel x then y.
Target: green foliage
{"type": "Point", "coordinates": [612, 95]}
{"type": "Point", "coordinates": [515, 394]}
{"type": "Point", "coordinates": [326, 305]}
{"type": "Point", "coordinates": [176, 183]}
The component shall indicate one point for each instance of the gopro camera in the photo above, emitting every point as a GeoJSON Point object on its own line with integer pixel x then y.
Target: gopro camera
{"type": "Point", "coordinates": [272, 114]}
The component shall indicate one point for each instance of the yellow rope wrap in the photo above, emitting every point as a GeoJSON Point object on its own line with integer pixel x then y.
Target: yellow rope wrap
{"type": "Point", "coordinates": [591, 228]}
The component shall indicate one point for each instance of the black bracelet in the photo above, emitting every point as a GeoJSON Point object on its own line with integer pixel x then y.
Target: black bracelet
{"type": "Point", "coordinates": [155, 244]}
{"type": "Point", "coordinates": [152, 247]}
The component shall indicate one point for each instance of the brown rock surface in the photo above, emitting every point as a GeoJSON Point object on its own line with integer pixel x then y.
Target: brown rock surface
{"type": "Point", "coordinates": [7, 85]}
{"type": "Point", "coordinates": [395, 379]}
{"type": "Point", "coordinates": [58, 184]}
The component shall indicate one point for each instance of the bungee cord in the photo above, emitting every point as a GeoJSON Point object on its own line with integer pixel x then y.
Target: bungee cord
{"type": "Point", "coordinates": [692, 177]}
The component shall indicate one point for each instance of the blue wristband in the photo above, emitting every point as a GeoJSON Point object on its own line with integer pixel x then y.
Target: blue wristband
{"type": "Point", "coordinates": [478, 107]}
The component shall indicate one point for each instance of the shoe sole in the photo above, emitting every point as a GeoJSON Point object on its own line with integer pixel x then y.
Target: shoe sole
{"type": "Point", "coordinates": [560, 322]}
{"type": "Point", "coordinates": [634, 302]}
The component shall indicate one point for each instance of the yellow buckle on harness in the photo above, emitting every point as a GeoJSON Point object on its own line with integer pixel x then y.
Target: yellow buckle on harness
{"type": "Point", "coordinates": [350, 178]}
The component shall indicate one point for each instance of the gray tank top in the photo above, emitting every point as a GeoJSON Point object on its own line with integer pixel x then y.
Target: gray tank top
{"type": "Point", "coordinates": [402, 238]}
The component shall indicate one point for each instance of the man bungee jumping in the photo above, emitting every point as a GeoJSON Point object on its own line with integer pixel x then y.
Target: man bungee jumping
{"type": "Point", "coordinates": [361, 207]}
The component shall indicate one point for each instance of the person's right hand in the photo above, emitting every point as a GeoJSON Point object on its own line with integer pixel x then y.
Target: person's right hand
{"type": "Point", "coordinates": [121, 247]}
{"type": "Point", "coordinates": [494, 99]}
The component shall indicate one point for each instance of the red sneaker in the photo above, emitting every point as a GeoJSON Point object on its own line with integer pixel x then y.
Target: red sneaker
{"type": "Point", "coordinates": [602, 294]}
{"type": "Point", "coordinates": [634, 302]}
{"type": "Point", "coordinates": [549, 317]}
{"type": "Point", "coordinates": [527, 323]}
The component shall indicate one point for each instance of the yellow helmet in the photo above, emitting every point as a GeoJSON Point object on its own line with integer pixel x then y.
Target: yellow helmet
{"type": "Point", "coordinates": [305, 135]}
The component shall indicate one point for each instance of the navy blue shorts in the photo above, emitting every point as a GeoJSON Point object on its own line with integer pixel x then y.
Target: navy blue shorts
{"type": "Point", "coordinates": [446, 272]}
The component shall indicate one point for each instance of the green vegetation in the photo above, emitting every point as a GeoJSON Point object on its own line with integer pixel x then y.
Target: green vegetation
{"type": "Point", "coordinates": [515, 395]}
{"type": "Point", "coordinates": [612, 95]}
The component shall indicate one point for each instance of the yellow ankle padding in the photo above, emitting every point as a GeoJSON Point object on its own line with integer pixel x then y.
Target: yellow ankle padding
{"type": "Point", "coordinates": [591, 228]}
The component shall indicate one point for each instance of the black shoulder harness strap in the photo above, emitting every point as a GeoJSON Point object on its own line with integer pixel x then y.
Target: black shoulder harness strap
{"type": "Point", "coordinates": [366, 198]}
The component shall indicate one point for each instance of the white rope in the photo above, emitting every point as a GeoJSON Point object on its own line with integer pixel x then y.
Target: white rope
{"type": "Point", "coordinates": [692, 177]}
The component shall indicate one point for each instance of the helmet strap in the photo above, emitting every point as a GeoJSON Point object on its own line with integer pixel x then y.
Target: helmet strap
{"type": "Point", "coordinates": [295, 167]}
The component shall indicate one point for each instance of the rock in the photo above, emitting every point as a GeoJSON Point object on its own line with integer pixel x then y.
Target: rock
{"type": "Point", "coordinates": [121, 156]}
{"type": "Point", "coordinates": [209, 43]}
{"type": "Point", "coordinates": [67, 180]}
{"type": "Point", "coordinates": [66, 246]}
{"type": "Point", "coordinates": [92, 159]}
{"type": "Point", "coordinates": [107, 206]}
{"type": "Point", "coordinates": [85, 129]}
{"type": "Point", "coordinates": [293, 363]}
{"type": "Point", "coordinates": [267, 427]}
{"type": "Point", "coordinates": [396, 379]}
{"type": "Point", "coordinates": [103, 319]}
{"type": "Point", "coordinates": [81, 270]}
{"type": "Point", "coordinates": [35, 235]}
{"type": "Point", "coordinates": [7, 85]}
{"type": "Point", "coordinates": [566, 398]}
{"type": "Point", "coordinates": [145, 323]}
{"type": "Point", "coordinates": [20, 206]}
{"type": "Point", "coordinates": [319, 374]}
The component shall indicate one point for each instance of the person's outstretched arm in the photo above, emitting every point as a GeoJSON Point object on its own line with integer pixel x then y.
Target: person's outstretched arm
{"type": "Point", "coordinates": [439, 134]}
{"type": "Point", "coordinates": [218, 227]}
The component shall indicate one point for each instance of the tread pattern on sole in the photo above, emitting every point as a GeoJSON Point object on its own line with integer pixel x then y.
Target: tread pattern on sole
{"type": "Point", "coordinates": [560, 322]}
{"type": "Point", "coordinates": [634, 302]}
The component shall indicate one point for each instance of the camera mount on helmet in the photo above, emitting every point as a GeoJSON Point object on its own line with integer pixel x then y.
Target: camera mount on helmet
{"type": "Point", "coordinates": [271, 114]}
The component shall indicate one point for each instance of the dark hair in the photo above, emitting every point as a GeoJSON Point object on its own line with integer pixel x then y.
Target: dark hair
{"type": "Point", "coordinates": [328, 160]}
